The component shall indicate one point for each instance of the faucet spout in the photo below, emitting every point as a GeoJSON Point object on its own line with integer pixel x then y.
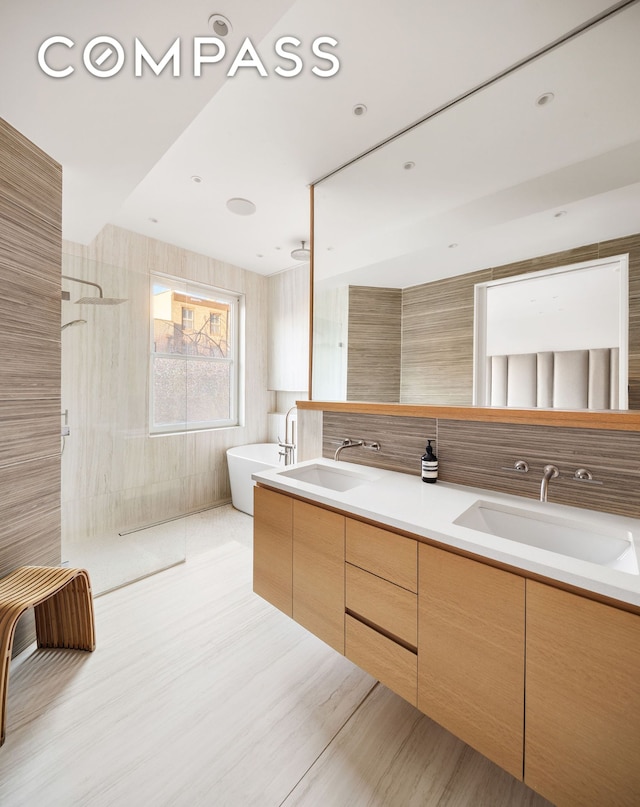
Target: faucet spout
{"type": "Point", "coordinates": [347, 443]}
{"type": "Point", "coordinates": [550, 472]}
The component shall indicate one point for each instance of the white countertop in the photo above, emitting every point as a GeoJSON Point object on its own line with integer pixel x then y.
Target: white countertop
{"type": "Point", "coordinates": [405, 502]}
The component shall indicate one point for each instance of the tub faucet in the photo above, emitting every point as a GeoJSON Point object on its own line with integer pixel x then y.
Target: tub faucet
{"type": "Point", "coordinates": [288, 445]}
{"type": "Point", "coordinates": [550, 472]}
{"type": "Point", "coordinates": [346, 443]}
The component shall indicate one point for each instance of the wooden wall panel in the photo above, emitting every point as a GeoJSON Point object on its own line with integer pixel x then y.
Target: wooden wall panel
{"type": "Point", "coordinates": [437, 341]}
{"type": "Point", "coordinates": [374, 344]}
{"type": "Point", "coordinates": [30, 267]}
{"type": "Point", "coordinates": [402, 439]}
{"type": "Point", "coordinates": [475, 453]}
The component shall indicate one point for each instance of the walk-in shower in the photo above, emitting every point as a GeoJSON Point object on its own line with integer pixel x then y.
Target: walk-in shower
{"type": "Point", "coordinates": [117, 482]}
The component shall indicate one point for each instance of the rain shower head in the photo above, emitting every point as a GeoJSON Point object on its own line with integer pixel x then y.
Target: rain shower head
{"type": "Point", "coordinates": [101, 300]}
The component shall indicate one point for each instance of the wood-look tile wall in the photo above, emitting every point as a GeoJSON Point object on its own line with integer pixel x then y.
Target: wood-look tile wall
{"type": "Point", "coordinates": [402, 439]}
{"type": "Point", "coordinates": [115, 476]}
{"type": "Point", "coordinates": [30, 250]}
{"type": "Point", "coordinates": [437, 340]}
{"type": "Point", "coordinates": [437, 325]}
{"type": "Point", "coordinates": [473, 453]}
{"type": "Point", "coordinates": [374, 345]}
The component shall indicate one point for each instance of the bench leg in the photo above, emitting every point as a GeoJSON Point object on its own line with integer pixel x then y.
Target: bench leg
{"type": "Point", "coordinates": [7, 632]}
{"type": "Point", "coordinates": [66, 619]}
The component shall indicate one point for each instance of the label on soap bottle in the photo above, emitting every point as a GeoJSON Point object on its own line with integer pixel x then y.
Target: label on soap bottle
{"type": "Point", "coordinates": [429, 470]}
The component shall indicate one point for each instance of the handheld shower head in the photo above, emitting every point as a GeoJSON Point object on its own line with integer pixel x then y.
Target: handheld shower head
{"type": "Point", "coordinates": [73, 322]}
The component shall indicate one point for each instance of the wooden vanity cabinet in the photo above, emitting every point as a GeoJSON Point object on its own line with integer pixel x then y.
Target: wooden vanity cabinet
{"type": "Point", "coordinates": [471, 639]}
{"type": "Point", "coordinates": [447, 633]}
{"type": "Point", "coordinates": [298, 562]}
{"type": "Point", "coordinates": [582, 743]}
{"type": "Point", "coordinates": [381, 621]}
{"type": "Point", "coordinates": [273, 548]}
{"type": "Point", "coordinates": [318, 572]}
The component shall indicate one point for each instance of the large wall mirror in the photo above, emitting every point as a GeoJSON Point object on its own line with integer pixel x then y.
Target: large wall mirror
{"type": "Point", "coordinates": [538, 170]}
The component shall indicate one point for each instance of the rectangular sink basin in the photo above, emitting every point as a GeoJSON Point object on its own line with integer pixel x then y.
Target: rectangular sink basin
{"type": "Point", "coordinates": [326, 477]}
{"type": "Point", "coordinates": [606, 546]}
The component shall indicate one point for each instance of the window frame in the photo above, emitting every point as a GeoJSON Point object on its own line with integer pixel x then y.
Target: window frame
{"type": "Point", "coordinates": [234, 358]}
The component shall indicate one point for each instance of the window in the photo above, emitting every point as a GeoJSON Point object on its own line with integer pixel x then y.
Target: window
{"type": "Point", "coordinates": [215, 324]}
{"type": "Point", "coordinates": [194, 356]}
{"type": "Point", "coordinates": [187, 319]}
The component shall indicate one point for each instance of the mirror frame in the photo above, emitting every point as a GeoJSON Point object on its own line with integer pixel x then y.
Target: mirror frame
{"type": "Point", "coordinates": [616, 420]}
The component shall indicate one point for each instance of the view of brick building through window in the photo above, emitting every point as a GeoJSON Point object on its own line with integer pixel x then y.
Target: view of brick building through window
{"type": "Point", "coordinates": [193, 367]}
{"type": "Point", "coordinates": [190, 325]}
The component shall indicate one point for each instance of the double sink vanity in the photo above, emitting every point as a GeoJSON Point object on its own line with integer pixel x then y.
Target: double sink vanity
{"type": "Point", "coordinates": [515, 624]}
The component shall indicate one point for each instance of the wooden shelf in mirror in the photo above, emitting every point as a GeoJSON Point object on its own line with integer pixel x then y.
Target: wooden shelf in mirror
{"type": "Point", "coordinates": [574, 418]}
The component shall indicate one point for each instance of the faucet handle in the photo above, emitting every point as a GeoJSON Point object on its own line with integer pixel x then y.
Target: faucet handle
{"type": "Point", "coordinates": [585, 475]}
{"type": "Point", "coordinates": [521, 466]}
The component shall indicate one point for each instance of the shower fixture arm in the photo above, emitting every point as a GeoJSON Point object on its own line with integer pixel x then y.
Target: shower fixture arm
{"type": "Point", "coordinates": [84, 282]}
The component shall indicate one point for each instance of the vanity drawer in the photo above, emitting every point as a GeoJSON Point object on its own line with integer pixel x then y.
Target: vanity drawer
{"type": "Point", "coordinates": [383, 553]}
{"type": "Point", "coordinates": [393, 665]}
{"type": "Point", "coordinates": [387, 606]}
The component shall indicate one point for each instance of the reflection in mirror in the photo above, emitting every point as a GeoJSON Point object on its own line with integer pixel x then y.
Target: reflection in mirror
{"type": "Point", "coordinates": [500, 186]}
{"type": "Point", "coordinates": [555, 339]}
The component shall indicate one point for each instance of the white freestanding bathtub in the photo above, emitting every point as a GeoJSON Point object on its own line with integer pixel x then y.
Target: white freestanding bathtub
{"type": "Point", "coordinates": [244, 461]}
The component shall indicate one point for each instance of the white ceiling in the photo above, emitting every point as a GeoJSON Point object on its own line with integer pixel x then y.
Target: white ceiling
{"type": "Point", "coordinates": [492, 172]}
{"type": "Point", "coordinates": [129, 146]}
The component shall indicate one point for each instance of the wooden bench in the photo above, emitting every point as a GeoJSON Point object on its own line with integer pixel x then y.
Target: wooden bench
{"type": "Point", "coordinates": [63, 607]}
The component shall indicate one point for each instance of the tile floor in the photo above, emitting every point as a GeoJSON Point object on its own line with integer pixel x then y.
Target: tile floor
{"type": "Point", "coordinates": [201, 693]}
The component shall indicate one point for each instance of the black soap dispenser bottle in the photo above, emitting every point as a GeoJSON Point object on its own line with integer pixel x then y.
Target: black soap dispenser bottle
{"type": "Point", "coordinates": [429, 465]}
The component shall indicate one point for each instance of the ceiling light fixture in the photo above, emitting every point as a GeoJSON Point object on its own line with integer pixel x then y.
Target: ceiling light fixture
{"type": "Point", "coordinates": [452, 246]}
{"type": "Point", "coordinates": [359, 110]}
{"type": "Point", "coordinates": [220, 25]}
{"type": "Point", "coordinates": [559, 214]}
{"type": "Point", "coordinates": [302, 254]}
{"type": "Point", "coordinates": [195, 178]}
{"type": "Point", "coordinates": [241, 207]}
{"type": "Point", "coordinates": [153, 221]}
{"type": "Point", "coordinates": [409, 165]}
{"type": "Point", "coordinates": [545, 98]}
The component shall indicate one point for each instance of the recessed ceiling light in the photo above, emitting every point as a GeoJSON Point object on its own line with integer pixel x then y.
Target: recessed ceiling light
{"type": "Point", "coordinates": [220, 25]}
{"type": "Point", "coordinates": [359, 110]}
{"type": "Point", "coordinates": [545, 98]}
{"type": "Point", "coordinates": [152, 220]}
{"type": "Point", "coordinates": [409, 165]}
{"type": "Point", "coordinates": [278, 247]}
{"type": "Point", "coordinates": [452, 246]}
{"type": "Point", "coordinates": [241, 207]}
{"type": "Point", "coordinates": [559, 214]}
{"type": "Point", "coordinates": [195, 178]}
{"type": "Point", "coordinates": [259, 255]}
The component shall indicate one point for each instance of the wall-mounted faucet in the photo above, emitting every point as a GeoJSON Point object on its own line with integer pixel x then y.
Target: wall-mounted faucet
{"type": "Point", "coordinates": [550, 472]}
{"type": "Point", "coordinates": [347, 443]}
